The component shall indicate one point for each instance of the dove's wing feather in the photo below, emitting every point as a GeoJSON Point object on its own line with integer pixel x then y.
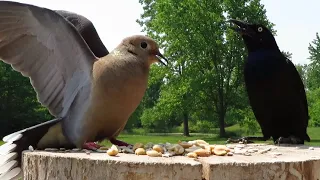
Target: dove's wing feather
{"type": "Point", "coordinates": [45, 47]}
{"type": "Point", "coordinates": [87, 31]}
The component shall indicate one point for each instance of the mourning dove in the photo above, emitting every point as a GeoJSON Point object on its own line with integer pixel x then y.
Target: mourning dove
{"type": "Point", "coordinates": [88, 32]}
{"type": "Point", "coordinates": [91, 98]}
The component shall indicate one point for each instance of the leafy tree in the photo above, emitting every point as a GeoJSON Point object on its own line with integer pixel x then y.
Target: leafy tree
{"type": "Point", "coordinates": [19, 107]}
{"type": "Point", "coordinates": [150, 98]}
{"type": "Point", "coordinates": [206, 57]}
{"type": "Point", "coordinates": [302, 69]}
{"type": "Point", "coordinates": [313, 73]}
{"type": "Point", "coordinates": [314, 107]}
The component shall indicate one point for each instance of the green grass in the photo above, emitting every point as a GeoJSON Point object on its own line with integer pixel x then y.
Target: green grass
{"type": "Point", "coordinates": [314, 133]}
{"type": "Point", "coordinates": [171, 138]}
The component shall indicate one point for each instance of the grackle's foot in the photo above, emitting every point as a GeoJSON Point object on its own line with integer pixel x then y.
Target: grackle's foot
{"type": "Point", "coordinates": [244, 140]}
{"type": "Point", "coordinates": [119, 143]}
{"type": "Point", "coordinates": [288, 140]}
{"type": "Point", "coordinates": [91, 146]}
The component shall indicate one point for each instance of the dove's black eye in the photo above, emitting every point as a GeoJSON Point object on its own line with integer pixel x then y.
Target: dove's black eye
{"type": "Point", "coordinates": [144, 45]}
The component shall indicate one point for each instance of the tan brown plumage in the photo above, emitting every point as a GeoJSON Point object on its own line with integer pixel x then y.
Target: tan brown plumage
{"type": "Point", "coordinates": [91, 97]}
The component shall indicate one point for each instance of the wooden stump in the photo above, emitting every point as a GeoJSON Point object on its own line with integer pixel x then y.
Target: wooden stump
{"type": "Point", "coordinates": [265, 162]}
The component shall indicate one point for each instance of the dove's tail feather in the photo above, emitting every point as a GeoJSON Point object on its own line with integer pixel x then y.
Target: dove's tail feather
{"type": "Point", "coordinates": [15, 143]}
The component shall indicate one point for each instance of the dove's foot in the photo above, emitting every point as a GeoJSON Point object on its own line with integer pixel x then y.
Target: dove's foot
{"type": "Point", "coordinates": [288, 140]}
{"type": "Point", "coordinates": [119, 143]}
{"type": "Point", "coordinates": [246, 140]}
{"type": "Point", "coordinates": [91, 146]}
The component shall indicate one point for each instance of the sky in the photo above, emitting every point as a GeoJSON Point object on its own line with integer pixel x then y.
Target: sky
{"type": "Point", "coordinates": [296, 21]}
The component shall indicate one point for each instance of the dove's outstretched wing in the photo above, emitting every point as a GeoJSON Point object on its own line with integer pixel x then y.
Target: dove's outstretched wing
{"type": "Point", "coordinates": [45, 47]}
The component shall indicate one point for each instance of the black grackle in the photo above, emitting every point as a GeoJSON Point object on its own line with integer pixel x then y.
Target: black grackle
{"type": "Point", "coordinates": [274, 86]}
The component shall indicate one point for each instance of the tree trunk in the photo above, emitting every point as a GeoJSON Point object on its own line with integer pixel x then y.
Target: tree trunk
{"type": "Point", "coordinates": [221, 124]}
{"type": "Point", "coordinates": [186, 124]}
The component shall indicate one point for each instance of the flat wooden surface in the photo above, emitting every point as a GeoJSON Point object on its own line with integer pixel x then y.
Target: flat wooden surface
{"type": "Point", "coordinates": [263, 162]}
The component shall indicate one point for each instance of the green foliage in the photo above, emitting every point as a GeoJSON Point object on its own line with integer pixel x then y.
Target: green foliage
{"type": "Point", "coordinates": [201, 126]}
{"type": "Point", "coordinates": [313, 73]}
{"type": "Point", "coordinates": [302, 69]}
{"type": "Point", "coordinates": [311, 76]}
{"type": "Point", "coordinates": [314, 107]}
{"type": "Point", "coordinates": [206, 57]}
{"type": "Point", "coordinates": [249, 122]}
{"type": "Point", "coordinates": [19, 107]}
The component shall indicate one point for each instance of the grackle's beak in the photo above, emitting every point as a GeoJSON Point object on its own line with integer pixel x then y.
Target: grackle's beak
{"type": "Point", "coordinates": [159, 56]}
{"type": "Point", "coordinates": [242, 28]}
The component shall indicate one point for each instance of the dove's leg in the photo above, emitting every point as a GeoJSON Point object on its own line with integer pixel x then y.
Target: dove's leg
{"type": "Point", "coordinates": [91, 146]}
{"type": "Point", "coordinates": [118, 142]}
{"type": "Point", "coordinates": [94, 146]}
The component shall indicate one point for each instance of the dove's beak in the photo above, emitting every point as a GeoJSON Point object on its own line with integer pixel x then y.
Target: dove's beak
{"type": "Point", "coordinates": [159, 57]}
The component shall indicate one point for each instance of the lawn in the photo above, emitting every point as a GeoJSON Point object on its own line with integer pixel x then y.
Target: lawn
{"type": "Point", "coordinates": [314, 134]}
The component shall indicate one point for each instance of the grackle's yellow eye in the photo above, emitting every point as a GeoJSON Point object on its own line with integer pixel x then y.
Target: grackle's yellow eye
{"type": "Point", "coordinates": [260, 29]}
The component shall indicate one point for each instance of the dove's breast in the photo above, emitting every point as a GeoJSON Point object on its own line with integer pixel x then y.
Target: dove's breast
{"type": "Point", "coordinates": [117, 91]}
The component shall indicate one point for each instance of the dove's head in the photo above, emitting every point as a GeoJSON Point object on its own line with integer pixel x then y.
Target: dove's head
{"type": "Point", "coordinates": [145, 48]}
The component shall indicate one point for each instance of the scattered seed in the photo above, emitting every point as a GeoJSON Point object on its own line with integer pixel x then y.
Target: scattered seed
{"type": "Point", "coordinates": [137, 145]}
{"type": "Point", "coordinates": [140, 151]}
{"type": "Point", "coordinates": [240, 146]}
{"type": "Point", "coordinates": [202, 152]}
{"type": "Point", "coordinates": [101, 151]}
{"type": "Point", "coordinates": [220, 150]}
{"type": "Point", "coordinates": [51, 149]}
{"type": "Point", "coordinates": [167, 155]}
{"type": "Point", "coordinates": [250, 151]}
{"type": "Point", "coordinates": [153, 153]}
{"type": "Point", "coordinates": [158, 148]}
{"type": "Point", "coordinates": [193, 148]}
{"type": "Point", "coordinates": [265, 150]}
{"type": "Point", "coordinates": [192, 155]}
{"type": "Point", "coordinates": [229, 154]}
{"type": "Point", "coordinates": [276, 153]}
{"type": "Point", "coordinates": [113, 151]}
{"type": "Point", "coordinates": [185, 145]}
{"type": "Point", "coordinates": [103, 148]}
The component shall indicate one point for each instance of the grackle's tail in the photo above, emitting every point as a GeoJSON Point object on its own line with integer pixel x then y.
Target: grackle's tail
{"type": "Point", "coordinates": [307, 138]}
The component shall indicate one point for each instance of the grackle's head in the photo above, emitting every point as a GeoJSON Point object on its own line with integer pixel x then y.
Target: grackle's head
{"type": "Point", "coordinates": [255, 36]}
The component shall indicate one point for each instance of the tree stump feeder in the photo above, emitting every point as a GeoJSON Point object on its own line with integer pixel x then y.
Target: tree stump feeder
{"type": "Point", "coordinates": [264, 162]}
